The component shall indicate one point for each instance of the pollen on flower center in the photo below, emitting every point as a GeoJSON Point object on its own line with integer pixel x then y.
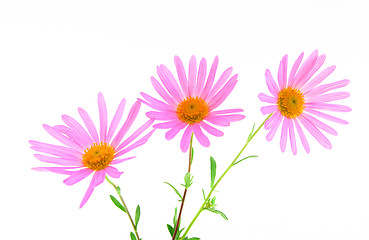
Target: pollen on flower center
{"type": "Point", "coordinates": [98, 156]}
{"type": "Point", "coordinates": [290, 102]}
{"type": "Point", "coordinates": [192, 110]}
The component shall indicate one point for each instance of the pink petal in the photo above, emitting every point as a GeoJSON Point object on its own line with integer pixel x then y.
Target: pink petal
{"type": "Point", "coordinates": [315, 132]}
{"type": "Point", "coordinates": [103, 117]}
{"type": "Point", "coordinates": [89, 124]}
{"type": "Point", "coordinates": [61, 138]}
{"type": "Point", "coordinates": [226, 111]}
{"type": "Point", "coordinates": [116, 119]}
{"type": "Point", "coordinates": [320, 60]}
{"type": "Point", "coordinates": [220, 83]}
{"type": "Point", "coordinates": [185, 141]}
{"type": "Point", "coordinates": [169, 99]}
{"type": "Point", "coordinates": [156, 104]}
{"type": "Point", "coordinates": [138, 143]}
{"type": "Point", "coordinates": [272, 86]}
{"type": "Point", "coordinates": [217, 120]}
{"type": "Point", "coordinates": [55, 150]}
{"type": "Point", "coordinates": [210, 80]}
{"type": "Point", "coordinates": [265, 98]}
{"type": "Point", "coordinates": [78, 129]}
{"type": "Point", "coordinates": [166, 125]}
{"type": "Point", "coordinates": [192, 70]}
{"type": "Point", "coordinates": [269, 122]}
{"type": "Point", "coordinates": [212, 130]}
{"type": "Point", "coordinates": [181, 75]}
{"type": "Point", "coordinates": [233, 117]}
{"type": "Point", "coordinates": [221, 96]}
{"type": "Point", "coordinates": [318, 79]}
{"type": "Point", "coordinates": [269, 109]}
{"type": "Point", "coordinates": [169, 83]}
{"type": "Point", "coordinates": [294, 68]}
{"type": "Point", "coordinates": [116, 161]}
{"type": "Point", "coordinates": [78, 176]}
{"type": "Point", "coordinates": [200, 77]}
{"type": "Point", "coordinates": [284, 133]}
{"type": "Point", "coordinates": [292, 136]}
{"type": "Point", "coordinates": [327, 107]}
{"type": "Point", "coordinates": [320, 124]}
{"type": "Point", "coordinates": [282, 73]}
{"type": "Point", "coordinates": [70, 134]}
{"type": "Point", "coordinates": [113, 172]}
{"type": "Point", "coordinates": [99, 177]}
{"type": "Point", "coordinates": [200, 136]}
{"type": "Point", "coordinates": [326, 116]}
{"type": "Point", "coordinates": [127, 124]}
{"type": "Point", "coordinates": [134, 135]}
{"type": "Point", "coordinates": [329, 97]}
{"type": "Point", "coordinates": [305, 68]}
{"type": "Point", "coordinates": [175, 130]}
{"type": "Point", "coordinates": [327, 87]}
{"type": "Point", "coordinates": [166, 116]}
{"type": "Point", "coordinates": [58, 170]}
{"type": "Point", "coordinates": [59, 161]}
{"type": "Point", "coordinates": [302, 136]}
{"type": "Point", "coordinates": [88, 193]}
{"type": "Point", "coordinates": [274, 126]}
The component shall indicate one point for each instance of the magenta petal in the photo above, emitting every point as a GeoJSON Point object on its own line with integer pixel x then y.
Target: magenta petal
{"type": "Point", "coordinates": [233, 117]}
{"type": "Point", "coordinates": [326, 116]}
{"type": "Point", "coordinates": [61, 138]}
{"type": "Point", "coordinates": [270, 121]}
{"type": "Point", "coordinates": [328, 107]}
{"type": "Point", "coordinates": [269, 109]}
{"type": "Point", "coordinates": [302, 136]}
{"type": "Point", "coordinates": [175, 130]}
{"type": "Point", "coordinates": [138, 143]}
{"type": "Point", "coordinates": [220, 83]}
{"type": "Point", "coordinates": [113, 172]}
{"type": "Point", "coordinates": [89, 124]}
{"type": "Point", "coordinates": [217, 120]}
{"type": "Point", "coordinates": [283, 142]}
{"type": "Point", "coordinates": [181, 75]}
{"type": "Point", "coordinates": [320, 124]}
{"type": "Point", "coordinates": [320, 60]}
{"type": "Point", "coordinates": [55, 150]}
{"type": "Point", "coordinates": [294, 68]}
{"type": "Point", "coordinates": [282, 73]}
{"type": "Point", "coordinates": [212, 130]}
{"type": "Point", "coordinates": [156, 104]}
{"type": "Point", "coordinates": [78, 176]}
{"type": "Point", "coordinates": [185, 141]}
{"type": "Point", "coordinates": [166, 116]}
{"type": "Point", "coordinates": [226, 111]}
{"type": "Point", "coordinates": [200, 136]}
{"type": "Point", "coordinates": [59, 161]}
{"type": "Point", "coordinates": [164, 94]}
{"type": "Point", "coordinates": [76, 127]}
{"type": "Point", "coordinates": [70, 134]}
{"type": "Point", "coordinates": [88, 193]}
{"type": "Point", "coordinates": [221, 96]}
{"type": "Point", "coordinates": [274, 127]}
{"type": "Point", "coordinates": [116, 161]}
{"type": "Point", "coordinates": [103, 117]}
{"type": "Point", "coordinates": [326, 88]}
{"type": "Point", "coordinates": [99, 177]}
{"type": "Point", "coordinates": [329, 97]}
{"type": "Point", "coordinates": [166, 125]}
{"type": "Point", "coordinates": [116, 119]}
{"type": "Point", "coordinates": [318, 79]}
{"type": "Point", "coordinates": [169, 83]}
{"type": "Point", "coordinates": [305, 68]}
{"type": "Point", "coordinates": [58, 170]}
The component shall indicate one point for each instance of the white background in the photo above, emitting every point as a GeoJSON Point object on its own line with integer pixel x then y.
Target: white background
{"type": "Point", "coordinates": [55, 56]}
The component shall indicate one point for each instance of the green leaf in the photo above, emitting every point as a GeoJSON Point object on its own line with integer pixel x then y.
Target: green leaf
{"type": "Point", "coordinates": [217, 212]}
{"type": "Point", "coordinates": [118, 189]}
{"type": "Point", "coordinates": [203, 194]}
{"type": "Point", "coordinates": [118, 204]}
{"type": "Point", "coordinates": [213, 171]}
{"type": "Point", "coordinates": [193, 238]}
{"type": "Point", "coordinates": [188, 180]}
{"type": "Point", "coordinates": [251, 133]}
{"type": "Point", "coordinates": [175, 217]}
{"type": "Point", "coordinates": [180, 196]}
{"type": "Point", "coordinates": [133, 237]}
{"type": "Point", "coordinates": [137, 215]}
{"type": "Point", "coordinates": [170, 229]}
{"type": "Point", "coordinates": [251, 156]}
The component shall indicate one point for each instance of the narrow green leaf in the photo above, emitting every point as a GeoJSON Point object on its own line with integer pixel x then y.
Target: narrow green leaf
{"type": "Point", "coordinates": [251, 133]}
{"type": "Point", "coordinates": [213, 171]}
{"type": "Point", "coordinates": [251, 156]}
{"type": "Point", "coordinates": [118, 204]}
{"type": "Point", "coordinates": [170, 229]}
{"type": "Point", "coordinates": [217, 212]}
{"type": "Point", "coordinates": [137, 215]}
{"type": "Point", "coordinates": [193, 238]}
{"type": "Point", "coordinates": [133, 237]}
{"type": "Point", "coordinates": [180, 196]}
{"type": "Point", "coordinates": [175, 217]}
{"type": "Point", "coordinates": [188, 180]}
{"type": "Point", "coordinates": [203, 193]}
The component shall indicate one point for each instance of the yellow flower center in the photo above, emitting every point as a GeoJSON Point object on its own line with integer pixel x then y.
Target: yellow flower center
{"type": "Point", "coordinates": [98, 156]}
{"type": "Point", "coordinates": [192, 110]}
{"type": "Point", "coordinates": [290, 102]}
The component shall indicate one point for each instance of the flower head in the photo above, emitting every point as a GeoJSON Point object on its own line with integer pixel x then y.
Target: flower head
{"type": "Point", "coordinates": [87, 152]}
{"type": "Point", "coordinates": [299, 98]}
{"type": "Point", "coordinates": [191, 104]}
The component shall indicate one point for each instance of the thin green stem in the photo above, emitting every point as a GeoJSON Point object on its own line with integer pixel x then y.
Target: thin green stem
{"type": "Point", "coordinates": [185, 191]}
{"type": "Point", "coordinates": [117, 189]}
{"type": "Point", "coordinates": [222, 176]}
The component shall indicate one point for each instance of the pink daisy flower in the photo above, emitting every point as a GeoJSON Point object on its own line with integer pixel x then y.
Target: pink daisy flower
{"type": "Point", "coordinates": [191, 105]}
{"type": "Point", "coordinates": [299, 99]}
{"type": "Point", "coordinates": [85, 152]}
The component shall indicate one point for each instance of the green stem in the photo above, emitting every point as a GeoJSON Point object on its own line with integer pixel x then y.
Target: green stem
{"type": "Point", "coordinates": [185, 191]}
{"type": "Point", "coordinates": [117, 189]}
{"type": "Point", "coordinates": [222, 176]}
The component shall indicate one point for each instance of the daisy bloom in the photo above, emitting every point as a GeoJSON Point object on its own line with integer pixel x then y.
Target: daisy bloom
{"type": "Point", "coordinates": [299, 100]}
{"type": "Point", "coordinates": [191, 104]}
{"type": "Point", "coordinates": [86, 152]}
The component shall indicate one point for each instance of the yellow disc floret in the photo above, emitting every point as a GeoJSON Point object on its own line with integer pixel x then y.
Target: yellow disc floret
{"type": "Point", "coordinates": [192, 110]}
{"type": "Point", "coordinates": [290, 102]}
{"type": "Point", "coordinates": [98, 156]}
